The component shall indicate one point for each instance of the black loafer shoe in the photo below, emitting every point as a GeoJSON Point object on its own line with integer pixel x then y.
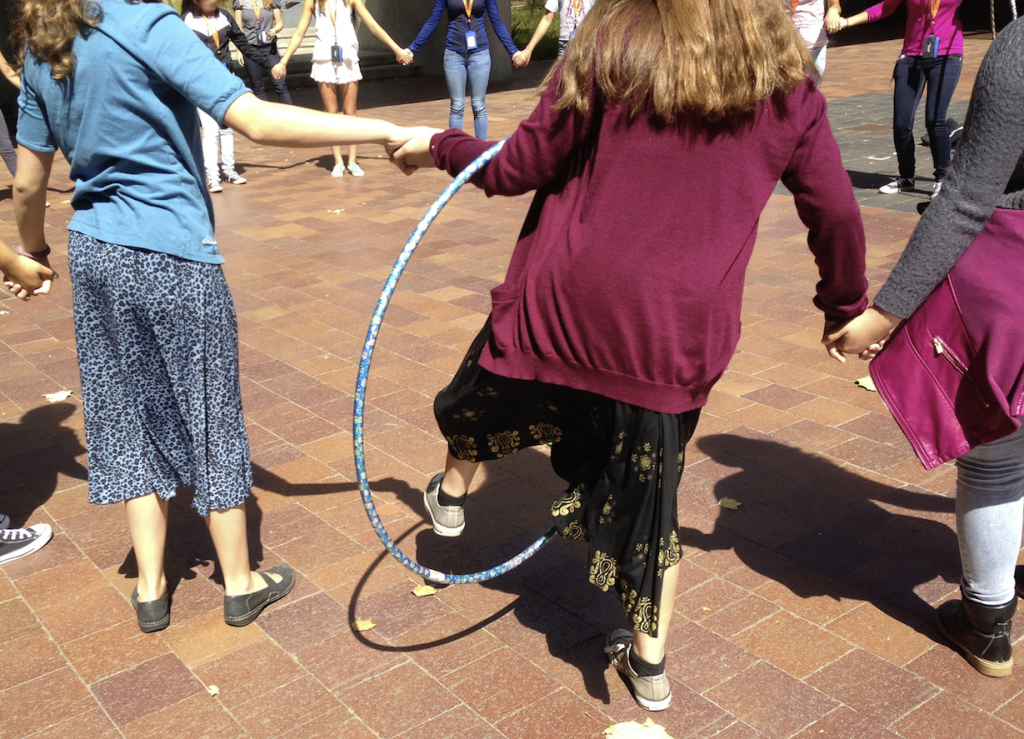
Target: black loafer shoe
{"type": "Point", "coordinates": [153, 615]}
{"type": "Point", "coordinates": [242, 610]}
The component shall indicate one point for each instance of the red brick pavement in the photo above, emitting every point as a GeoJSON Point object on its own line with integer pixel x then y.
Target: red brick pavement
{"type": "Point", "coordinates": [806, 613]}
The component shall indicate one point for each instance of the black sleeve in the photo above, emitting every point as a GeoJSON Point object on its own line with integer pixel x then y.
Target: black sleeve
{"type": "Point", "coordinates": [241, 42]}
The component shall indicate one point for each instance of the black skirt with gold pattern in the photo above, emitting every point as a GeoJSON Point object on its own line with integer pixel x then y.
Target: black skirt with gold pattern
{"type": "Point", "coordinates": [622, 464]}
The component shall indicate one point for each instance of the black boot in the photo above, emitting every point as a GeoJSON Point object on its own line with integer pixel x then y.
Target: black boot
{"type": "Point", "coordinates": [982, 633]}
{"type": "Point", "coordinates": [1018, 580]}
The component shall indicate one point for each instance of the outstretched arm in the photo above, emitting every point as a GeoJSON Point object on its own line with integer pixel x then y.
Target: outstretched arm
{"type": "Point", "coordinates": [500, 29]}
{"type": "Point", "coordinates": [300, 32]}
{"type": "Point", "coordinates": [403, 56]}
{"type": "Point", "coordinates": [542, 29]}
{"type": "Point", "coordinates": [429, 27]}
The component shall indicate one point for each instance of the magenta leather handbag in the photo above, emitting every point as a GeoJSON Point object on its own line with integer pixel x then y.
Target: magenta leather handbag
{"type": "Point", "coordinates": [951, 375]}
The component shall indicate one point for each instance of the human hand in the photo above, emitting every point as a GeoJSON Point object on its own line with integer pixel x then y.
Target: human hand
{"type": "Point", "coordinates": [833, 21]}
{"type": "Point", "coordinates": [279, 71]}
{"type": "Point", "coordinates": [271, 34]}
{"type": "Point", "coordinates": [404, 57]}
{"type": "Point", "coordinates": [25, 277]}
{"type": "Point", "coordinates": [864, 335]}
{"type": "Point", "coordinates": [413, 152]}
{"type": "Point", "coordinates": [521, 58]}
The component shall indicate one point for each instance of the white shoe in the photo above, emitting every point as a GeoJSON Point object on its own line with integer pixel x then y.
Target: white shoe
{"type": "Point", "coordinates": [936, 190]}
{"type": "Point", "coordinates": [898, 185]}
{"type": "Point", "coordinates": [16, 543]}
{"type": "Point", "coordinates": [233, 177]}
{"type": "Point", "coordinates": [214, 186]}
{"type": "Point", "coordinates": [355, 170]}
{"type": "Point", "coordinates": [338, 171]}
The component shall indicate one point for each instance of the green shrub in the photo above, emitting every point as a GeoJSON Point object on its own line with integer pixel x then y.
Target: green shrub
{"type": "Point", "coordinates": [525, 17]}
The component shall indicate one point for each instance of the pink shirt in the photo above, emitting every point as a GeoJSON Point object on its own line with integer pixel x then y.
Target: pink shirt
{"type": "Point", "coordinates": [920, 25]}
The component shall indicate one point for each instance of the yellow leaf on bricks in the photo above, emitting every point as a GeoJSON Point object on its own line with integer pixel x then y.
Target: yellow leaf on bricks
{"type": "Point", "coordinates": [420, 590]}
{"type": "Point", "coordinates": [729, 503]}
{"type": "Point", "coordinates": [632, 730]}
{"type": "Point", "coordinates": [362, 624]}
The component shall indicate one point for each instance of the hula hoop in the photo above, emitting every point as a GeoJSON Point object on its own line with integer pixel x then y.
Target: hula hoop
{"type": "Point", "coordinates": [360, 399]}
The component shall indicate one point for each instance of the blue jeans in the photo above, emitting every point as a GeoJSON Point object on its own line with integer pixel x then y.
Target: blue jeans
{"type": "Point", "coordinates": [911, 75]}
{"type": "Point", "coordinates": [989, 515]}
{"type": "Point", "coordinates": [476, 67]}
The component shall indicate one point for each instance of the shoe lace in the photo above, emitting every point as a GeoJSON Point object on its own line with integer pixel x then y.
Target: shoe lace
{"type": "Point", "coordinates": [13, 535]}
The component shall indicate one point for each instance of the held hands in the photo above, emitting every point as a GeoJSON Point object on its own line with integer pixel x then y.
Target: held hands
{"type": "Point", "coordinates": [864, 335]}
{"type": "Point", "coordinates": [833, 21]}
{"type": "Point", "coordinates": [404, 57]}
{"type": "Point", "coordinates": [279, 71]}
{"type": "Point", "coordinates": [521, 58]}
{"type": "Point", "coordinates": [25, 277]}
{"type": "Point", "coordinates": [409, 149]}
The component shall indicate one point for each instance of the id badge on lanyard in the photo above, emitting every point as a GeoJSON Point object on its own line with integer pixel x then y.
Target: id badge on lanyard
{"type": "Point", "coordinates": [336, 54]}
{"type": "Point", "coordinates": [471, 44]}
{"type": "Point", "coordinates": [932, 43]}
{"type": "Point", "coordinates": [577, 16]}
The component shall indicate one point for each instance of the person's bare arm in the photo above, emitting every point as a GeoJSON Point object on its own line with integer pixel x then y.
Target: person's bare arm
{"type": "Point", "coordinates": [833, 15]}
{"type": "Point", "coordinates": [278, 23]}
{"type": "Point", "coordinates": [294, 126]}
{"type": "Point", "coordinates": [542, 28]}
{"type": "Point", "coordinates": [30, 197]}
{"type": "Point", "coordinates": [401, 55]}
{"type": "Point", "coordinates": [9, 72]}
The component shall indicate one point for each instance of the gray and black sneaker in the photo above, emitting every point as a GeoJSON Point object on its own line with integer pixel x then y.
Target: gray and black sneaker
{"type": "Point", "coordinates": [652, 693]}
{"type": "Point", "coordinates": [448, 520]}
{"type": "Point", "coordinates": [16, 543]}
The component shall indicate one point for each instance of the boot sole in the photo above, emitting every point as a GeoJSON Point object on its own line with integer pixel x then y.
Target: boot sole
{"type": "Point", "coordinates": [986, 667]}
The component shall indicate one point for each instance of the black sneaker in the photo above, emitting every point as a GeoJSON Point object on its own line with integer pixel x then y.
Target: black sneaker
{"type": "Point", "coordinates": [16, 543]}
{"type": "Point", "coordinates": [898, 185]}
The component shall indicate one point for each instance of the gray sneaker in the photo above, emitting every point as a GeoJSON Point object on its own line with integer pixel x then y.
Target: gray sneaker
{"type": "Point", "coordinates": [448, 520]}
{"type": "Point", "coordinates": [652, 693]}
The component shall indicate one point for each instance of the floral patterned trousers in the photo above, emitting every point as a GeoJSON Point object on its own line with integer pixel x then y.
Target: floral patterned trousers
{"type": "Point", "coordinates": [622, 464]}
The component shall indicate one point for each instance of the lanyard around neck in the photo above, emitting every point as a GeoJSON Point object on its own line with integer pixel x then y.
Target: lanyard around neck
{"type": "Point", "coordinates": [577, 9]}
{"type": "Point", "coordinates": [334, 15]}
{"type": "Point", "coordinates": [256, 9]}
{"type": "Point", "coordinates": [935, 8]}
{"type": "Point", "coordinates": [213, 32]}
{"type": "Point", "coordinates": [468, 5]}
{"type": "Point", "coordinates": [794, 4]}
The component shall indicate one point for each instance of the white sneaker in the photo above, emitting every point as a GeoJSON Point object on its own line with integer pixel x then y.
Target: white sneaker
{"type": "Point", "coordinates": [338, 171]}
{"type": "Point", "coordinates": [936, 190]}
{"type": "Point", "coordinates": [16, 543]}
{"type": "Point", "coordinates": [213, 186]}
{"type": "Point", "coordinates": [233, 177]}
{"type": "Point", "coordinates": [355, 170]}
{"type": "Point", "coordinates": [898, 185]}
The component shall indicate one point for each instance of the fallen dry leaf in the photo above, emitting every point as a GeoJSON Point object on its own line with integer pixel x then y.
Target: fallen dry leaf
{"type": "Point", "coordinates": [58, 396]}
{"type": "Point", "coordinates": [64, 202]}
{"type": "Point", "coordinates": [420, 590]}
{"type": "Point", "coordinates": [362, 624]}
{"type": "Point", "coordinates": [632, 730]}
{"type": "Point", "coordinates": [213, 690]}
{"type": "Point", "coordinates": [867, 383]}
{"type": "Point", "coordinates": [729, 503]}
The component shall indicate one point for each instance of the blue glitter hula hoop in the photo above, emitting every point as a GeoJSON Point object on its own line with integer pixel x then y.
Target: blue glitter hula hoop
{"type": "Point", "coordinates": [360, 399]}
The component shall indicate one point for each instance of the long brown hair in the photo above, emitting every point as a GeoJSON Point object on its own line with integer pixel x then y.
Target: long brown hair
{"type": "Point", "coordinates": [671, 59]}
{"type": "Point", "coordinates": [49, 27]}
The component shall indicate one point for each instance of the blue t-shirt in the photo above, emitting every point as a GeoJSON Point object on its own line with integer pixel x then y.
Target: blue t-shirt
{"type": "Point", "coordinates": [459, 25]}
{"type": "Point", "coordinates": [125, 119]}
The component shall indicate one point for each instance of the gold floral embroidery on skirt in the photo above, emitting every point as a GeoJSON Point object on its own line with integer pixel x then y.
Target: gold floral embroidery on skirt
{"type": "Point", "coordinates": [603, 570]}
{"type": "Point", "coordinates": [645, 616]}
{"type": "Point", "coordinates": [546, 433]}
{"type": "Point", "coordinates": [574, 531]}
{"type": "Point", "coordinates": [488, 392]}
{"type": "Point", "coordinates": [462, 446]}
{"type": "Point", "coordinates": [567, 503]}
{"type": "Point", "coordinates": [504, 443]}
{"type": "Point", "coordinates": [468, 414]}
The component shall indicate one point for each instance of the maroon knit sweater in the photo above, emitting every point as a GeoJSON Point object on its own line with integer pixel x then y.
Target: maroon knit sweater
{"type": "Point", "coordinates": [627, 280]}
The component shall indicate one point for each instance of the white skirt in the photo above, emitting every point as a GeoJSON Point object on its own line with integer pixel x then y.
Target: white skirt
{"type": "Point", "coordinates": [334, 73]}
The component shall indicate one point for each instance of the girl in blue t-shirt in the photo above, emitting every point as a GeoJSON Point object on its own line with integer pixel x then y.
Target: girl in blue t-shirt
{"type": "Point", "coordinates": [155, 327]}
{"type": "Point", "coordinates": [467, 55]}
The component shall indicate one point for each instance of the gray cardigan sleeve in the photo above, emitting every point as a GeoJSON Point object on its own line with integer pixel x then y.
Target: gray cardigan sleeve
{"type": "Point", "coordinates": [980, 179]}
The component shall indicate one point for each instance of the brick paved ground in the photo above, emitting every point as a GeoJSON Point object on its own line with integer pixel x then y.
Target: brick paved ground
{"type": "Point", "coordinates": [806, 613]}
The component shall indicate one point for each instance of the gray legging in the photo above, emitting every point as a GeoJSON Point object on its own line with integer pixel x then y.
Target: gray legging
{"type": "Point", "coordinates": [989, 516]}
{"type": "Point", "coordinates": [7, 151]}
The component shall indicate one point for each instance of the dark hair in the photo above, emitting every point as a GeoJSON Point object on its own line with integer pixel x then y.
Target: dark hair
{"type": "Point", "coordinates": [49, 27]}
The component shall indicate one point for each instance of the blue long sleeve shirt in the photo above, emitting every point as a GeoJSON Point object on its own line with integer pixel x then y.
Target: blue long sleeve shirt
{"type": "Point", "coordinates": [459, 25]}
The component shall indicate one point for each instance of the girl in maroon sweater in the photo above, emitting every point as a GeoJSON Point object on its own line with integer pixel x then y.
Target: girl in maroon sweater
{"type": "Point", "coordinates": [653, 151]}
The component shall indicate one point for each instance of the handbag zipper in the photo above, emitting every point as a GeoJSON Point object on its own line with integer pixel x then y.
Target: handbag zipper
{"type": "Point", "coordinates": [943, 351]}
